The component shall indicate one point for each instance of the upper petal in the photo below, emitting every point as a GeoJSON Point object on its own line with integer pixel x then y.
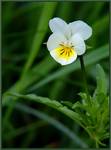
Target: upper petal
{"type": "Point", "coordinates": [59, 25]}
{"type": "Point", "coordinates": [82, 28]}
{"type": "Point", "coordinates": [78, 43]}
{"type": "Point", "coordinates": [54, 40]}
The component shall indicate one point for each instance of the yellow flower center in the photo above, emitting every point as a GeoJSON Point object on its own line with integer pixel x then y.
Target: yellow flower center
{"type": "Point", "coordinates": [65, 51]}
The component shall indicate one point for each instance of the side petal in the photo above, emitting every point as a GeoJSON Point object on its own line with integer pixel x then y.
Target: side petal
{"type": "Point", "coordinates": [63, 60]}
{"type": "Point", "coordinates": [78, 43]}
{"type": "Point", "coordinates": [82, 28]}
{"type": "Point", "coordinates": [58, 25]}
{"type": "Point", "coordinates": [54, 40]}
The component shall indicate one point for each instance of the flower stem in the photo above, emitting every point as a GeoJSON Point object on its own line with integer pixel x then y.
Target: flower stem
{"type": "Point", "coordinates": [84, 76]}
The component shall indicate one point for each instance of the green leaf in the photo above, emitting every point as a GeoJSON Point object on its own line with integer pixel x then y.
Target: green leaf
{"type": "Point", "coordinates": [101, 81]}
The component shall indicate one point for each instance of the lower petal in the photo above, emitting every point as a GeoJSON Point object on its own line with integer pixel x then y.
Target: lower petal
{"type": "Point", "coordinates": [63, 60]}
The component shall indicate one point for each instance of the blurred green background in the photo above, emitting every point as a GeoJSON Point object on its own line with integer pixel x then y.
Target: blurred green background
{"type": "Point", "coordinates": [27, 67]}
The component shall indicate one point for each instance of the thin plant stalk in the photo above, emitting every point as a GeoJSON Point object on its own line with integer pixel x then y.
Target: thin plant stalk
{"type": "Point", "coordinates": [84, 76]}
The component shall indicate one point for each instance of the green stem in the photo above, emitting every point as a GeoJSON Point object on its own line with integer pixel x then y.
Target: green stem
{"type": "Point", "coordinates": [84, 76]}
{"type": "Point", "coordinates": [97, 145]}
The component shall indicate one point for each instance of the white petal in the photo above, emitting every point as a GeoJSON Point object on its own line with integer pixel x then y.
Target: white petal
{"type": "Point", "coordinates": [57, 25]}
{"type": "Point", "coordinates": [82, 28]}
{"type": "Point", "coordinates": [61, 60]}
{"type": "Point", "coordinates": [54, 40]}
{"type": "Point", "coordinates": [78, 43]}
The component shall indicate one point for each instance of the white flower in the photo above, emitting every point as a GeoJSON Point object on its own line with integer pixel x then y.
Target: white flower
{"type": "Point", "coordinates": [67, 40]}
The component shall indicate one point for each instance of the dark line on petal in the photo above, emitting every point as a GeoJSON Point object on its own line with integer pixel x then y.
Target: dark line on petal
{"type": "Point", "coordinates": [65, 52]}
{"type": "Point", "coordinates": [68, 53]}
{"type": "Point", "coordinates": [62, 53]}
{"type": "Point", "coordinates": [62, 49]}
{"type": "Point", "coordinates": [61, 44]}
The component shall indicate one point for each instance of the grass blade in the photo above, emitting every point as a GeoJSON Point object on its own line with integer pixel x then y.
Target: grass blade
{"type": "Point", "coordinates": [39, 36]}
{"type": "Point", "coordinates": [51, 121]}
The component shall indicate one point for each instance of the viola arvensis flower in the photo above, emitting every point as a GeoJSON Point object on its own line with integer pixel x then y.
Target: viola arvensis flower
{"type": "Point", "coordinates": [67, 40]}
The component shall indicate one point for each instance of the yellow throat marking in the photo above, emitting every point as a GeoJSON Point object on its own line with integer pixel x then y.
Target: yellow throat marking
{"type": "Point", "coordinates": [65, 52]}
